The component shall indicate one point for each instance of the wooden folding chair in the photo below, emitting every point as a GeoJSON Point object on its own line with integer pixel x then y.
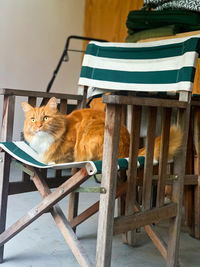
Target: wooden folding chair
{"type": "Point", "coordinates": [158, 66]}
{"type": "Point", "coordinates": [36, 177]}
{"type": "Point", "coordinates": [40, 180]}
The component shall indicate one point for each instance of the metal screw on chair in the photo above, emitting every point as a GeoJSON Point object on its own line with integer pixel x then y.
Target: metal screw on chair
{"type": "Point", "coordinates": [61, 190]}
{"type": "Point", "coordinates": [102, 190]}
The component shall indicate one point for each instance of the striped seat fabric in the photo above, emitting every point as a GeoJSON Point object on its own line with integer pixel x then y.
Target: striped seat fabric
{"type": "Point", "coordinates": [163, 66]}
{"type": "Point", "coordinates": [23, 153]}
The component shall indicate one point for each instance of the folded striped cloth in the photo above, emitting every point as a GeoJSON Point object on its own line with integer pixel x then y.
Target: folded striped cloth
{"type": "Point", "coordinates": [23, 153]}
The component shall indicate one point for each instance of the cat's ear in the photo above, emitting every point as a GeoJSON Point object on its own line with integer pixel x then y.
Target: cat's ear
{"type": "Point", "coordinates": [26, 107]}
{"type": "Point", "coordinates": [52, 104]}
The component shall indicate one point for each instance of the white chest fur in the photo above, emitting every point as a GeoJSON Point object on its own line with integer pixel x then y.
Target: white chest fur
{"type": "Point", "coordinates": [41, 143]}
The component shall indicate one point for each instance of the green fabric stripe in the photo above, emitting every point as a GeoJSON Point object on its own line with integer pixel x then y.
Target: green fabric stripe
{"type": "Point", "coordinates": [21, 154]}
{"type": "Point", "coordinates": [162, 51]}
{"type": "Point", "coordinates": [122, 163]}
{"type": "Point", "coordinates": [150, 77]}
{"type": "Point", "coordinates": [98, 165]}
{"type": "Point", "coordinates": [141, 160]}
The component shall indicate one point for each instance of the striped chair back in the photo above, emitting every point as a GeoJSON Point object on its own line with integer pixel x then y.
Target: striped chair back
{"type": "Point", "coordinates": [167, 65]}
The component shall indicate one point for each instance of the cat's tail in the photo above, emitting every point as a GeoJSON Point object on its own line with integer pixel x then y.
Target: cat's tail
{"type": "Point", "coordinates": [175, 142]}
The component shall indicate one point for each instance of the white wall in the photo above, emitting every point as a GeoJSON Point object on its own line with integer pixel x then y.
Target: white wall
{"type": "Point", "coordinates": [32, 38]}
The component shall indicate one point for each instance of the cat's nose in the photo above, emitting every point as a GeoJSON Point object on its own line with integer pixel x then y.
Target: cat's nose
{"type": "Point", "coordinates": [39, 125]}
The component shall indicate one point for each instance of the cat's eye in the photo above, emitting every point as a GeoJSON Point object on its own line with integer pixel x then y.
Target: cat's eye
{"type": "Point", "coordinates": [46, 118]}
{"type": "Point", "coordinates": [33, 119]}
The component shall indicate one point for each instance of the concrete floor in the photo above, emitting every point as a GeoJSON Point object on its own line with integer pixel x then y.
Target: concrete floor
{"type": "Point", "coordinates": [41, 244]}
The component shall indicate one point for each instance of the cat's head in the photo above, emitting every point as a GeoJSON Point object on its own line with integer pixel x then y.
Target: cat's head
{"type": "Point", "coordinates": [42, 120]}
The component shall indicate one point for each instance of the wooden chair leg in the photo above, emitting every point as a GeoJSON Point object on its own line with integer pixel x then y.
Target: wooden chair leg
{"type": "Point", "coordinates": [196, 210]}
{"type": "Point", "coordinates": [177, 194]}
{"type": "Point", "coordinates": [109, 175]}
{"type": "Point", "coordinates": [45, 205]}
{"type": "Point", "coordinates": [73, 203]}
{"type": "Point", "coordinates": [62, 222]}
{"type": "Point", "coordinates": [73, 206]}
{"type": "Point", "coordinates": [189, 189]}
{"type": "Point", "coordinates": [132, 172]}
{"type": "Point", "coordinates": [121, 200]}
{"type": "Point", "coordinates": [4, 183]}
{"type": "Point", "coordinates": [196, 222]}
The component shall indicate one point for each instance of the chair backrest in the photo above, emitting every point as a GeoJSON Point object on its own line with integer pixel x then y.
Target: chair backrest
{"type": "Point", "coordinates": [33, 98]}
{"type": "Point", "coordinates": [10, 115]}
{"type": "Point", "coordinates": [167, 65]}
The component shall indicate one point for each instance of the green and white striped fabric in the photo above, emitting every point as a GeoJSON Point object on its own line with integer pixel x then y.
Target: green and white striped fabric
{"type": "Point", "coordinates": [22, 152]}
{"type": "Point", "coordinates": [167, 65]}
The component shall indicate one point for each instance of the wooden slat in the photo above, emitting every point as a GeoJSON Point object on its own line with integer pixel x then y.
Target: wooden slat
{"type": "Point", "coordinates": [73, 203]}
{"type": "Point", "coordinates": [155, 237]}
{"type": "Point", "coordinates": [6, 135]}
{"type": "Point", "coordinates": [144, 101]}
{"type": "Point", "coordinates": [195, 103]}
{"type": "Point", "coordinates": [163, 161]}
{"type": "Point", "coordinates": [196, 222]}
{"type": "Point", "coordinates": [28, 93]}
{"type": "Point", "coordinates": [63, 106]}
{"type": "Point", "coordinates": [4, 184]}
{"type": "Point", "coordinates": [196, 212]}
{"type": "Point", "coordinates": [177, 193]}
{"type": "Point", "coordinates": [148, 167]}
{"type": "Point", "coordinates": [133, 161]}
{"type": "Point", "coordinates": [62, 222]}
{"type": "Point", "coordinates": [28, 186]}
{"type": "Point", "coordinates": [189, 189]}
{"type": "Point", "coordinates": [157, 240]}
{"type": "Point", "coordinates": [32, 101]}
{"type": "Point", "coordinates": [63, 110]}
{"type": "Point", "coordinates": [82, 103]}
{"type": "Point", "coordinates": [140, 219]}
{"type": "Point", "coordinates": [109, 179]}
{"type": "Point", "coordinates": [189, 179]}
{"type": "Point", "coordinates": [73, 206]}
{"type": "Point", "coordinates": [58, 174]}
{"type": "Point", "coordinates": [44, 205]}
{"type": "Point", "coordinates": [7, 118]}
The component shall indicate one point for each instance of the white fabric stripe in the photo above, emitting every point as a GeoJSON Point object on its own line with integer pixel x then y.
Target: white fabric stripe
{"type": "Point", "coordinates": [161, 64]}
{"type": "Point", "coordinates": [155, 162]}
{"type": "Point", "coordinates": [184, 86]}
{"type": "Point", "coordinates": [146, 44]}
{"type": "Point", "coordinates": [27, 149]}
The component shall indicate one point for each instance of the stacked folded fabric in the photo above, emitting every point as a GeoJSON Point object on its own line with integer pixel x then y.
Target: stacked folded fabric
{"type": "Point", "coordinates": [193, 5]}
{"type": "Point", "coordinates": [144, 24]}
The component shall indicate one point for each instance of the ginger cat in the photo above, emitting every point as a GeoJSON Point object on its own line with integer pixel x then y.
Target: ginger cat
{"type": "Point", "coordinates": [78, 136]}
{"type": "Point", "coordinates": [65, 138]}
